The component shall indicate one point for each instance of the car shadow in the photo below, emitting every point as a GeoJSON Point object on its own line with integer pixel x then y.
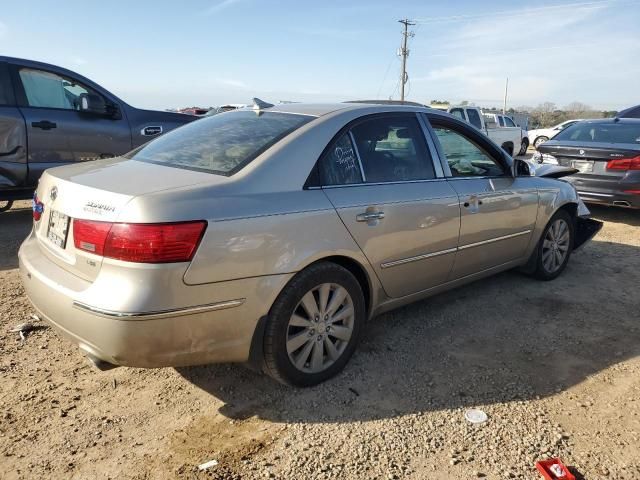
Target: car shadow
{"type": "Point", "coordinates": [15, 225]}
{"type": "Point", "coordinates": [500, 339]}
{"type": "Point", "coordinates": [627, 216]}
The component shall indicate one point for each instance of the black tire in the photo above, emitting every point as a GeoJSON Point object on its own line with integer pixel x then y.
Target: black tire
{"type": "Point", "coordinates": [539, 141]}
{"type": "Point", "coordinates": [5, 205]}
{"type": "Point", "coordinates": [277, 361]}
{"type": "Point", "coordinates": [523, 146]}
{"type": "Point", "coordinates": [541, 272]}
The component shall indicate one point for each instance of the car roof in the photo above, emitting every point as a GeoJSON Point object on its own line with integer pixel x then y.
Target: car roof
{"type": "Point", "coordinates": [320, 109]}
{"type": "Point", "coordinates": [630, 121]}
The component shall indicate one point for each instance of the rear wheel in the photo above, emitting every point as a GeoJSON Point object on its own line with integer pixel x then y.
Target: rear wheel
{"type": "Point", "coordinates": [314, 326]}
{"type": "Point", "coordinates": [539, 141]}
{"type": "Point", "coordinates": [555, 245]}
{"type": "Point", "coordinates": [523, 146]}
{"type": "Point", "coordinates": [5, 205]}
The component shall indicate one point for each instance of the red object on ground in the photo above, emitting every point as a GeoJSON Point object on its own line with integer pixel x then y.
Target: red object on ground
{"type": "Point", "coordinates": [544, 467]}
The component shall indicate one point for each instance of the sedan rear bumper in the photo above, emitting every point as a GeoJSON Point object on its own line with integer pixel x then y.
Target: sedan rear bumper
{"type": "Point", "coordinates": [216, 331]}
{"type": "Point", "coordinates": [612, 192]}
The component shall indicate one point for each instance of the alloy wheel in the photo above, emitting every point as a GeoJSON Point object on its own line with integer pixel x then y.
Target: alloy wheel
{"type": "Point", "coordinates": [320, 328]}
{"type": "Point", "coordinates": [555, 246]}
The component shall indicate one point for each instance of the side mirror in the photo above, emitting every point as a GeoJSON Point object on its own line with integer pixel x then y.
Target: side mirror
{"type": "Point", "coordinates": [521, 168]}
{"type": "Point", "coordinates": [92, 103]}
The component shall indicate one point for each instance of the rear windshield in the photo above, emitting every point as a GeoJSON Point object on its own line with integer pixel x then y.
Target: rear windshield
{"type": "Point", "coordinates": [601, 132]}
{"type": "Point", "coordinates": [220, 144]}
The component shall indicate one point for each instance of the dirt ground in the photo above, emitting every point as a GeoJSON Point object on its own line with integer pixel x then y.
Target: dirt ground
{"type": "Point", "coordinates": [555, 365]}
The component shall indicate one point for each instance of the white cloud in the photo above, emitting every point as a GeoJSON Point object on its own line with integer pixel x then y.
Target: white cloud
{"type": "Point", "coordinates": [216, 7]}
{"type": "Point", "coordinates": [548, 53]}
{"type": "Point", "coordinates": [230, 82]}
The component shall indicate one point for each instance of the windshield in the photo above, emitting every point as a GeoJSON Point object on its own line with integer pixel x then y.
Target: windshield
{"type": "Point", "coordinates": [601, 132]}
{"type": "Point", "coordinates": [220, 144]}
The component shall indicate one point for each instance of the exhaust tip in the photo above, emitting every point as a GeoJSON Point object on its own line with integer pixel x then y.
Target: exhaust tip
{"type": "Point", "coordinates": [621, 203]}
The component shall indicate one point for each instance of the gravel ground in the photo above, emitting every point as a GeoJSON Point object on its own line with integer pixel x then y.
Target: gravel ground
{"type": "Point", "coordinates": [555, 366]}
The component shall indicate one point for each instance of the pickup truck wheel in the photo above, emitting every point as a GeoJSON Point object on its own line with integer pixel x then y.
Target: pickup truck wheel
{"type": "Point", "coordinates": [314, 325]}
{"type": "Point", "coordinates": [539, 141]}
{"type": "Point", "coordinates": [555, 245]}
{"type": "Point", "coordinates": [5, 205]}
{"type": "Point", "coordinates": [523, 146]}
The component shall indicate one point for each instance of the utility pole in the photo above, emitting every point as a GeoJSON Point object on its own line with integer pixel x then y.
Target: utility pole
{"type": "Point", "coordinates": [504, 105]}
{"type": "Point", "coordinates": [404, 52]}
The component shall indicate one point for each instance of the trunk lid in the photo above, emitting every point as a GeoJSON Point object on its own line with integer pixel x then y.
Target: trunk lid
{"type": "Point", "coordinates": [97, 191]}
{"type": "Point", "coordinates": [589, 160]}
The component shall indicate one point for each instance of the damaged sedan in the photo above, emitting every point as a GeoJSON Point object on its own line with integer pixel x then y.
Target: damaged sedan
{"type": "Point", "coordinates": [272, 235]}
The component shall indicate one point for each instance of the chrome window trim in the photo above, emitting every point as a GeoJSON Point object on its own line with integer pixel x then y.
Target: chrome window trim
{"type": "Point", "coordinates": [491, 240]}
{"type": "Point", "coordinates": [397, 182]}
{"type": "Point", "coordinates": [153, 315]}
{"type": "Point", "coordinates": [417, 258]}
{"type": "Point", "coordinates": [402, 261]}
{"type": "Point", "coordinates": [586, 194]}
{"type": "Point", "coordinates": [355, 149]}
{"type": "Point", "coordinates": [435, 157]}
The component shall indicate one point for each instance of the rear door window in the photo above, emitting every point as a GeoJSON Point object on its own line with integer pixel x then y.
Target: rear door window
{"type": "Point", "coordinates": [457, 112]}
{"type": "Point", "coordinates": [393, 149]}
{"type": "Point", "coordinates": [222, 143]}
{"type": "Point", "coordinates": [501, 120]}
{"type": "Point", "coordinates": [6, 92]}
{"type": "Point", "coordinates": [340, 165]}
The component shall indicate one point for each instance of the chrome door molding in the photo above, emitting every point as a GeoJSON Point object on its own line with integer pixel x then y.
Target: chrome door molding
{"type": "Point", "coordinates": [417, 258]}
{"type": "Point", "coordinates": [496, 239]}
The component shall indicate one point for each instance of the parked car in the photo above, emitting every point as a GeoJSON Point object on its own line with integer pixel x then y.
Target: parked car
{"type": "Point", "coordinates": [540, 135]}
{"type": "Point", "coordinates": [503, 121]}
{"type": "Point", "coordinates": [272, 235]}
{"type": "Point", "coordinates": [50, 116]}
{"type": "Point", "coordinates": [509, 138]}
{"type": "Point", "coordinates": [225, 108]}
{"type": "Point", "coordinates": [606, 155]}
{"type": "Point", "coordinates": [631, 112]}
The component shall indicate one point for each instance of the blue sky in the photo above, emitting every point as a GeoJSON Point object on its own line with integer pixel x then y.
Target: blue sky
{"type": "Point", "coordinates": [160, 54]}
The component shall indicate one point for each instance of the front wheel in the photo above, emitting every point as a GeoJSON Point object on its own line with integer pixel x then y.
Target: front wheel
{"type": "Point", "coordinates": [314, 325]}
{"type": "Point", "coordinates": [554, 248]}
{"type": "Point", "coordinates": [5, 205]}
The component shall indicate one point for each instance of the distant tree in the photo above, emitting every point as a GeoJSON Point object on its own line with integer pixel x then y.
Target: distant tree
{"type": "Point", "coordinates": [577, 108]}
{"type": "Point", "coordinates": [544, 115]}
{"type": "Point", "coordinates": [464, 103]}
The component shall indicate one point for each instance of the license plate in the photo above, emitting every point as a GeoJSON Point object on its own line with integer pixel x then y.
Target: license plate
{"type": "Point", "coordinates": [58, 228]}
{"type": "Point", "coordinates": [583, 166]}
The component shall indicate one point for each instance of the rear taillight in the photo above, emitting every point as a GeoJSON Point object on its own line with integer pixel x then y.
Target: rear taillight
{"type": "Point", "coordinates": [139, 242]}
{"type": "Point", "coordinates": [624, 164]}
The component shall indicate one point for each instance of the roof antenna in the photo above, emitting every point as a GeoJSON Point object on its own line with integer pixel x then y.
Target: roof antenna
{"type": "Point", "coordinates": [261, 104]}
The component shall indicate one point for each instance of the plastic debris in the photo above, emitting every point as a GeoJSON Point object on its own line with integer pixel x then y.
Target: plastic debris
{"type": "Point", "coordinates": [23, 329]}
{"type": "Point", "coordinates": [554, 469]}
{"type": "Point", "coordinates": [474, 415]}
{"type": "Point", "coordinates": [209, 464]}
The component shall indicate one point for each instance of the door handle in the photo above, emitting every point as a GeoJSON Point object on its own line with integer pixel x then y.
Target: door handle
{"type": "Point", "coordinates": [44, 124]}
{"type": "Point", "coordinates": [473, 202]}
{"type": "Point", "coordinates": [368, 216]}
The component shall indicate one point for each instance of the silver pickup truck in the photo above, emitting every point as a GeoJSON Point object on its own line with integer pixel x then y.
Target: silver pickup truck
{"type": "Point", "coordinates": [512, 139]}
{"type": "Point", "coordinates": [50, 116]}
